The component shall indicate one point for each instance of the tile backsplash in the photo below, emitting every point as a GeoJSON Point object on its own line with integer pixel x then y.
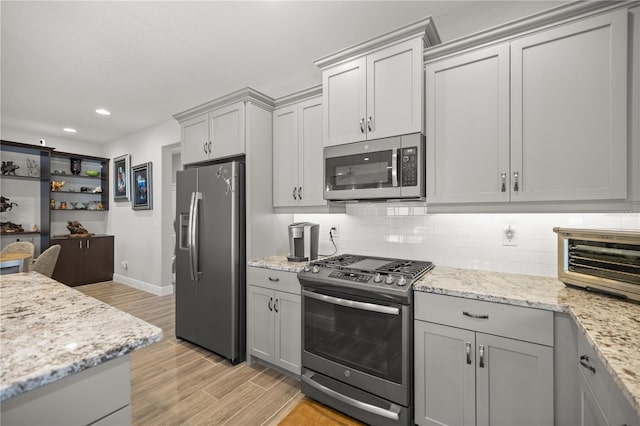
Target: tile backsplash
{"type": "Point", "coordinates": [471, 241]}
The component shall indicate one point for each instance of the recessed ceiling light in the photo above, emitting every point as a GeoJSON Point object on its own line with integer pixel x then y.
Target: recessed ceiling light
{"type": "Point", "coordinates": [102, 111]}
{"type": "Point", "coordinates": [69, 130]}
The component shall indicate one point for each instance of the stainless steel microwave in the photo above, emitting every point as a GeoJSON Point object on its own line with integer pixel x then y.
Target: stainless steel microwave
{"type": "Point", "coordinates": [382, 169]}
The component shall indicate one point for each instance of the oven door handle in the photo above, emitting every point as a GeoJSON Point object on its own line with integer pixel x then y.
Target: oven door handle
{"type": "Point", "coordinates": [352, 303]}
{"type": "Point", "coordinates": [393, 413]}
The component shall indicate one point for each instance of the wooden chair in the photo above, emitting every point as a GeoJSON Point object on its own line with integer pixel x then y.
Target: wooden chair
{"type": "Point", "coordinates": [46, 262]}
{"type": "Point", "coordinates": [21, 247]}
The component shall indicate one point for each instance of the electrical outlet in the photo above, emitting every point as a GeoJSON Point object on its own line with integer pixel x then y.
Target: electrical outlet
{"type": "Point", "coordinates": [509, 236]}
{"type": "Point", "coordinates": [335, 231]}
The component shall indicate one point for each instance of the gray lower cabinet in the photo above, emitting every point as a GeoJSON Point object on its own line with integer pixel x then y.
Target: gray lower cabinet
{"type": "Point", "coordinates": [273, 318]}
{"type": "Point", "coordinates": [602, 403]}
{"type": "Point", "coordinates": [480, 363]}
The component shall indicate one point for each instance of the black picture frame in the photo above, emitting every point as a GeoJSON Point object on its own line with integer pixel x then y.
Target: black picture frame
{"type": "Point", "coordinates": [142, 187]}
{"type": "Point", "coordinates": [121, 178]}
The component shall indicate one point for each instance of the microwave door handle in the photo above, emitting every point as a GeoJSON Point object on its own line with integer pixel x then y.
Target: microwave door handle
{"type": "Point", "coordinates": [352, 303]}
{"type": "Point", "coordinates": [394, 167]}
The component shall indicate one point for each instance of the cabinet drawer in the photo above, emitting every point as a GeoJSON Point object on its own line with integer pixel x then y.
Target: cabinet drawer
{"type": "Point", "coordinates": [276, 280]}
{"type": "Point", "coordinates": [531, 325]}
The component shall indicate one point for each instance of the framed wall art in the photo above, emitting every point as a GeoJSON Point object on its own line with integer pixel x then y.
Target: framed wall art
{"type": "Point", "coordinates": [121, 178]}
{"type": "Point", "coordinates": [142, 186]}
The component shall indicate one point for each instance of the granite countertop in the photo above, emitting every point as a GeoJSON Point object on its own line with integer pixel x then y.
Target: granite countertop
{"type": "Point", "coordinates": [49, 331]}
{"type": "Point", "coordinates": [611, 326]}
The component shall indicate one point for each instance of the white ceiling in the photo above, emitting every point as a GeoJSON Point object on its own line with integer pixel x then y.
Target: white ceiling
{"type": "Point", "coordinates": [147, 60]}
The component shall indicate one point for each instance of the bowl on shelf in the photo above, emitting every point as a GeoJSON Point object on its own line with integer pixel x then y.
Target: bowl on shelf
{"type": "Point", "coordinates": [92, 173]}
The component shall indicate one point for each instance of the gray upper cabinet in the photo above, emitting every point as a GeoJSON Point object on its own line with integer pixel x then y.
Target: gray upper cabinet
{"type": "Point", "coordinates": [539, 117]}
{"type": "Point", "coordinates": [218, 133]}
{"type": "Point", "coordinates": [375, 89]}
{"type": "Point", "coordinates": [297, 154]}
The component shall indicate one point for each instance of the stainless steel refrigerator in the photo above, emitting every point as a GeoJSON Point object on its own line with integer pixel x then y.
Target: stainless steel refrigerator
{"type": "Point", "coordinates": [210, 258]}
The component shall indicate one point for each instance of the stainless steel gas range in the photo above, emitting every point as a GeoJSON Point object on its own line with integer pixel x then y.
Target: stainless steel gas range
{"type": "Point", "coordinates": [357, 335]}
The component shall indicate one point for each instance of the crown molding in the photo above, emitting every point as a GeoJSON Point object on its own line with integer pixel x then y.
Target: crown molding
{"type": "Point", "coordinates": [424, 28]}
{"type": "Point", "coordinates": [243, 95]}
{"type": "Point", "coordinates": [299, 96]}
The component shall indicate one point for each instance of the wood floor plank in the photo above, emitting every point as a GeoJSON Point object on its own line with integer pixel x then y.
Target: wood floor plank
{"type": "Point", "coordinates": [175, 382]}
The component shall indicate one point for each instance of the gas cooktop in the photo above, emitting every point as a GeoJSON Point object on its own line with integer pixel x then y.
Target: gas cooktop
{"type": "Point", "coordinates": [366, 275]}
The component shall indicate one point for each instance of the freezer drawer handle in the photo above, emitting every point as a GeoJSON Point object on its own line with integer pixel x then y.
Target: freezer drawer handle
{"type": "Point", "coordinates": [393, 413]}
{"type": "Point", "coordinates": [352, 303]}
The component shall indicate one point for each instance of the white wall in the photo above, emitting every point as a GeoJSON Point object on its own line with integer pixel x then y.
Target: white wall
{"type": "Point", "coordinates": [138, 233]}
{"type": "Point", "coordinates": [471, 241]}
{"type": "Point", "coordinates": [59, 143]}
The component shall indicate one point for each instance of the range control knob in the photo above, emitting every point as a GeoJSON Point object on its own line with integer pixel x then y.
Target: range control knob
{"type": "Point", "coordinates": [377, 278]}
{"type": "Point", "coordinates": [307, 268]}
{"type": "Point", "coordinates": [315, 269]}
{"type": "Point", "coordinates": [389, 280]}
{"type": "Point", "coordinates": [402, 281]}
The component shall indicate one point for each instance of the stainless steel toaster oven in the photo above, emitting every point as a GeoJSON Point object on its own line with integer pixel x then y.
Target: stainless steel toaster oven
{"type": "Point", "coordinates": [606, 261]}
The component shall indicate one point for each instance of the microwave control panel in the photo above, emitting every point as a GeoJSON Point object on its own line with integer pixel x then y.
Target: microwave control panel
{"type": "Point", "coordinates": [409, 166]}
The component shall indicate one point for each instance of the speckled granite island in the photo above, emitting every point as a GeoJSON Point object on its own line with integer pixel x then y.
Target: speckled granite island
{"type": "Point", "coordinates": [611, 326]}
{"type": "Point", "coordinates": [64, 353]}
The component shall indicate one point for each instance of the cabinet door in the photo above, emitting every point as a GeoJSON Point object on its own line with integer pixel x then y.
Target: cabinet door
{"type": "Point", "coordinates": [514, 382]}
{"type": "Point", "coordinates": [345, 102]}
{"type": "Point", "coordinates": [591, 414]}
{"type": "Point", "coordinates": [444, 375]}
{"type": "Point", "coordinates": [98, 259]}
{"type": "Point", "coordinates": [467, 113]}
{"type": "Point", "coordinates": [569, 111]}
{"type": "Point", "coordinates": [260, 325]}
{"type": "Point", "coordinates": [286, 157]}
{"type": "Point", "coordinates": [394, 90]}
{"type": "Point", "coordinates": [621, 412]}
{"type": "Point", "coordinates": [288, 338]}
{"type": "Point", "coordinates": [195, 139]}
{"type": "Point", "coordinates": [311, 172]}
{"type": "Point", "coordinates": [227, 131]}
{"type": "Point", "coordinates": [71, 264]}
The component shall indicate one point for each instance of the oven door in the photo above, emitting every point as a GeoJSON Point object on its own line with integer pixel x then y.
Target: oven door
{"type": "Point", "coordinates": [359, 342]}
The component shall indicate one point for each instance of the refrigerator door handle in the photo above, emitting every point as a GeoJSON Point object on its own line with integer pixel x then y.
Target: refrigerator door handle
{"type": "Point", "coordinates": [193, 234]}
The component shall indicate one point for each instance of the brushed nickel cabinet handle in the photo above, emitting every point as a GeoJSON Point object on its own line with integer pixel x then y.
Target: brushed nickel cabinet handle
{"type": "Point", "coordinates": [275, 280]}
{"type": "Point", "coordinates": [468, 349]}
{"type": "Point", "coordinates": [584, 361]}
{"type": "Point", "coordinates": [299, 193]}
{"type": "Point", "coordinates": [269, 304]}
{"type": "Point", "coordinates": [204, 148]}
{"type": "Point", "coordinates": [275, 306]}
{"type": "Point", "coordinates": [467, 314]}
{"type": "Point", "coordinates": [369, 124]}
{"type": "Point", "coordinates": [503, 187]}
{"type": "Point", "coordinates": [362, 125]}
{"type": "Point", "coordinates": [516, 187]}
{"type": "Point", "coordinates": [481, 352]}
{"type": "Point", "coordinates": [293, 193]}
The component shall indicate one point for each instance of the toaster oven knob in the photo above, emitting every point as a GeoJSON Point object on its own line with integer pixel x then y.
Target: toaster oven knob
{"type": "Point", "coordinates": [377, 278]}
{"type": "Point", "coordinates": [389, 280]}
{"type": "Point", "coordinates": [315, 269]}
{"type": "Point", "coordinates": [402, 281]}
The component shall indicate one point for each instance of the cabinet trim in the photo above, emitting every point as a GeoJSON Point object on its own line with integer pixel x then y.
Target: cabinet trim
{"type": "Point", "coordinates": [424, 28]}
{"type": "Point", "coordinates": [530, 23]}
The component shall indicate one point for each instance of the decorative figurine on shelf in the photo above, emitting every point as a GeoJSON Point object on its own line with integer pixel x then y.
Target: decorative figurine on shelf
{"type": "Point", "coordinates": [63, 205]}
{"type": "Point", "coordinates": [32, 167]}
{"type": "Point", "coordinates": [7, 227]}
{"type": "Point", "coordinates": [56, 186]}
{"type": "Point", "coordinates": [6, 204]}
{"type": "Point", "coordinates": [97, 189]}
{"type": "Point", "coordinates": [100, 206]}
{"type": "Point", "coordinates": [75, 165]}
{"type": "Point", "coordinates": [76, 228]}
{"type": "Point", "coordinates": [9, 168]}
{"type": "Point", "coordinates": [52, 203]}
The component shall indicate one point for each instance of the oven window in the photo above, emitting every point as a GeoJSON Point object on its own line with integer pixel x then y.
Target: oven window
{"type": "Point", "coordinates": [363, 340]}
{"type": "Point", "coordinates": [360, 171]}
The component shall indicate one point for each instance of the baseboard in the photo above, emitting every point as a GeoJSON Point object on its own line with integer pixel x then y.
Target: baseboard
{"type": "Point", "coordinates": [144, 286]}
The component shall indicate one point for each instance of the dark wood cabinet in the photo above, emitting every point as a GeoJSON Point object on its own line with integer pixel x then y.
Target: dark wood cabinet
{"type": "Point", "coordinates": [84, 260]}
